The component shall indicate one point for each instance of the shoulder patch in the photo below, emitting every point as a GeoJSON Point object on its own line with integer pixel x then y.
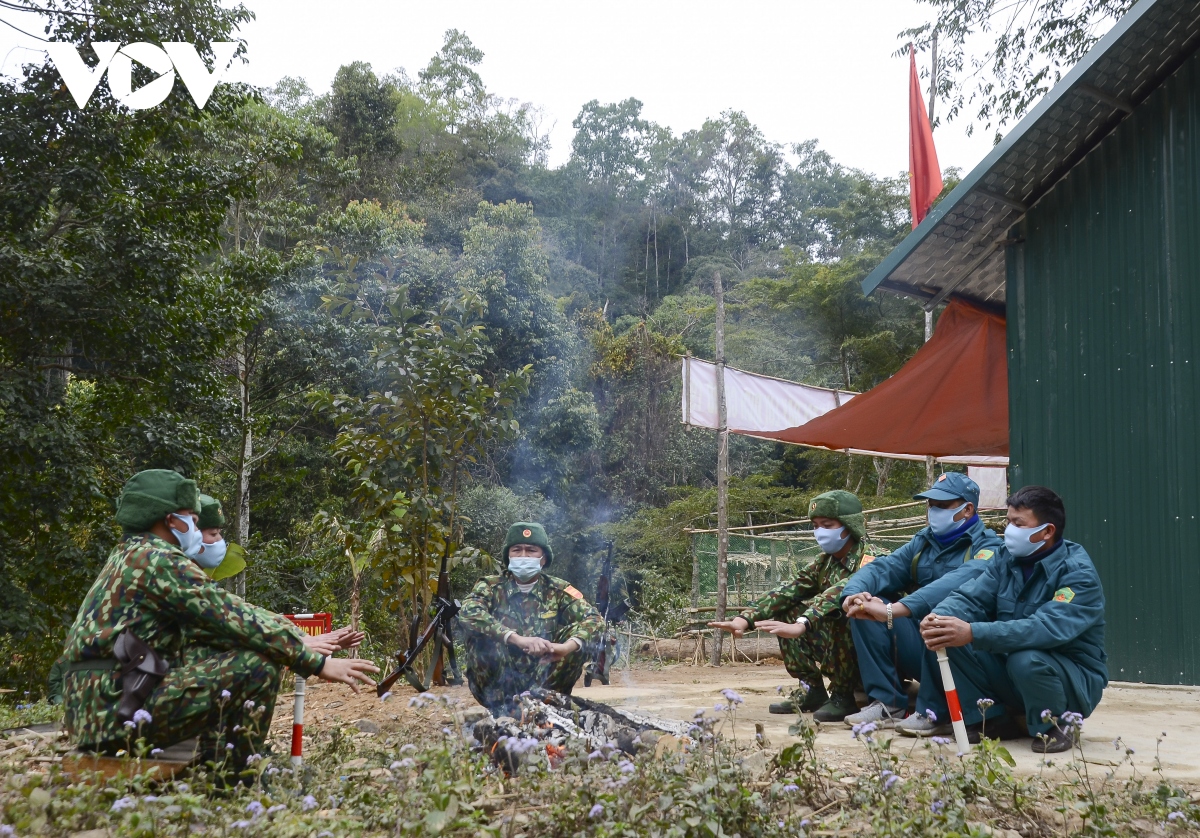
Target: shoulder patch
{"type": "Point", "coordinates": [984, 555]}
{"type": "Point", "coordinates": [866, 560]}
{"type": "Point", "coordinates": [1064, 595]}
{"type": "Point", "coordinates": [573, 591]}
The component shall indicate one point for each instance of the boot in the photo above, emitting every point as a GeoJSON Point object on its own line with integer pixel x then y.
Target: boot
{"type": "Point", "coordinates": [816, 697]}
{"type": "Point", "coordinates": [836, 709]}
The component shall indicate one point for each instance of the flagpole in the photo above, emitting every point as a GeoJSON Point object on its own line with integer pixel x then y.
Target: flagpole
{"type": "Point", "coordinates": [722, 472]}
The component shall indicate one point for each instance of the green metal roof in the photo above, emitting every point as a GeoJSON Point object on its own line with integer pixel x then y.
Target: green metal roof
{"type": "Point", "coordinates": [957, 248]}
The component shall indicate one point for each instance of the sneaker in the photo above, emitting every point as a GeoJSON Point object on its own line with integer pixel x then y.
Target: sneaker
{"type": "Point", "coordinates": [782, 708]}
{"type": "Point", "coordinates": [878, 713]}
{"type": "Point", "coordinates": [836, 709]}
{"type": "Point", "coordinates": [1053, 741]}
{"type": "Point", "coordinates": [918, 724]}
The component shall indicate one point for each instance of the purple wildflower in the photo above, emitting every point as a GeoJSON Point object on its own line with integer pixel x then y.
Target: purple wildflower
{"type": "Point", "coordinates": [596, 811]}
{"type": "Point", "coordinates": [626, 767]}
{"type": "Point", "coordinates": [941, 740]}
{"type": "Point", "coordinates": [937, 806]}
{"type": "Point", "coordinates": [254, 808]}
{"type": "Point", "coordinates": [929, 714]}
{"type": "Point", "coordinates": [790, 788]}
{"type": "Point", "coordinates": [226, 695]}
{"type": "Point", "coordinates": [731, 696]}
{"type": "Point", "coordinates": [124, 803]}
{"type": "Point", "coordinates": [386, 696]}
{"type": "Point", "coordinates": [308, 803]}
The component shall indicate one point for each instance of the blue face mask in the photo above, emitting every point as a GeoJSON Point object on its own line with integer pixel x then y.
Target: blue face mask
{"type": "Point", "coordinates": [941, 521]}
{"type": "Point", "coordinates": [211, 555]}
{"type": "Point", "coordinates": [831, 539]}
{"type": "Point", "coordinates": [525, 567]}
{"type": "Point", "coordinates": [1016, 539]}
{"type": "Point", "coordinates": [190, 540]}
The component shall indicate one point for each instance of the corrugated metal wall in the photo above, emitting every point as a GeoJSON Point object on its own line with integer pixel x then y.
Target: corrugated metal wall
{"type": "Point", "coordinates": [1104, 345]}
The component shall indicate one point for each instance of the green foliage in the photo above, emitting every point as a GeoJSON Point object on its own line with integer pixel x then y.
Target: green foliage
{"type": "Point", "coordinates": [409, 445]}
{"type": "Point", "coordinates": [1028, 46]}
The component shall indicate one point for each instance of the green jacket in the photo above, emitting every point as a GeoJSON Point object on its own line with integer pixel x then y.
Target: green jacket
{"type": "Point", "coordinates": [940, 569]}
{"type": "Point", "coordinates": [496, 606]}
{"type": "Point", "coordinates": [817, 587]}
{"type": "Point", "coordinates": [1060, 609]}
{"type": "Point", "coordinates": [149, 586]}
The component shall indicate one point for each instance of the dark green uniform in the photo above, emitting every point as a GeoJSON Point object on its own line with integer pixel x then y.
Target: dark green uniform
{"type": "Point", "coordinates": [150, 587]}
{"type": "Point", "coordinates": [827, 647]}
{"type": "Point", "coordinates": [553, 610]}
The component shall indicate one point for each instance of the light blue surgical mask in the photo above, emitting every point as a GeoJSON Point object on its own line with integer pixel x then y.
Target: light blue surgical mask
{"type": "Point", "coordinates": [525, 567]}
{"type": "Point", "coordinates": [941, 521]}
{"type": "Point", "coordinates": [831, 539]}
{"type": "Point", "coordinates": [190, 540]}
{"type": "Point", "coordinates": [211, 555]}
{"type": "Point", "coordinates": [1016, 539]}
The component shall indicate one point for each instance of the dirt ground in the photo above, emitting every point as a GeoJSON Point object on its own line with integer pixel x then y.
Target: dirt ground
{"type": "Point", "coordinates": [1137, 714]}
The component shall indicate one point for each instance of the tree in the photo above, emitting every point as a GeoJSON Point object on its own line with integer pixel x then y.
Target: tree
{"type": "Point", "coordinates": [1035, 41]}
{"type": "Point", "coordinates": [409, 445]}
{"type": "Point", "coordinates": [106, 302]}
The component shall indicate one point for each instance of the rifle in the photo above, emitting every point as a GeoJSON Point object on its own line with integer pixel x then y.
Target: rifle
{"type": "Point", "coordinates": [603, 648]}
{"type": "Point", "coordinates": [439, 631]}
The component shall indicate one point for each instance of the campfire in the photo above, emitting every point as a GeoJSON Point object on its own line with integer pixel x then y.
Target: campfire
{"type": "Point", "coordinates": [539, 723]}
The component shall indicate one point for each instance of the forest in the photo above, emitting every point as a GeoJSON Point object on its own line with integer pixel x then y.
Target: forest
{"type": "Point", "coordinates": [380, 327]}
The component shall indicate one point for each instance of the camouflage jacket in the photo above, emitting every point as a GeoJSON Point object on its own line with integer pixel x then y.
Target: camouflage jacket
{"type": "Point", "coordinates": [496, 606]}
{"type": "Point", "coordinates": [817, 589]}
{"type": "Point", "coordinates": [149, 586]}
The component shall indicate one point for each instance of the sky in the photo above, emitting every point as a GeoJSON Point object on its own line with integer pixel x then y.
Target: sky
{"type": "Point", "coordinates": [799, 69]}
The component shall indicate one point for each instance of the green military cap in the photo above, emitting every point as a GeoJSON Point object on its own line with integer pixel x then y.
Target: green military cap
{"type": "Point", "coordinates": [211, 513]}
{"type": "Point", "coordinates": [843, 506]}
{"type": "Point", "coordinates": [527, 532]}
{"type": "Point", "coordinates": [149, 495]}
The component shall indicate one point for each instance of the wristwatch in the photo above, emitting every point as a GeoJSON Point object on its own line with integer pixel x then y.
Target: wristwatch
{"type": "Point", "coordinates": [803, 621]}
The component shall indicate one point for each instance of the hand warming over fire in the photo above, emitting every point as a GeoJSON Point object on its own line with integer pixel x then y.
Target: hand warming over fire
{"type": "Point", "coordinates": [780, 628]}
{"type": "Point", "coordinates": [737, 626]}
{"type": "Point", "coordinates": [537, 647]}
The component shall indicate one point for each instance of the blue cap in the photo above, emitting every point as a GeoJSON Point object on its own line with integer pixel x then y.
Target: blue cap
{"type": "Point", "coordinates": [952, 485]}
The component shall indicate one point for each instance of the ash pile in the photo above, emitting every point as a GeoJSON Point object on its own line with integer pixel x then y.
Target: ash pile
{"type": "Point", "coordinates": [538, 724]}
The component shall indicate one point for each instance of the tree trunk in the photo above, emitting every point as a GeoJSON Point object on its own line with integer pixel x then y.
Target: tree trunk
{"type": "Point", "coordinates": [355, 608]}
{"type": "Point", "coordinates": [722, 474]}
{"type": "Point", "coordinates": [883, 468]}
{"type": "Point", "coordinates": [242, 501]}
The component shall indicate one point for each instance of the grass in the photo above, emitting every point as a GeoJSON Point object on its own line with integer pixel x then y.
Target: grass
{"type": "Point", "coordinates": [433, 783]}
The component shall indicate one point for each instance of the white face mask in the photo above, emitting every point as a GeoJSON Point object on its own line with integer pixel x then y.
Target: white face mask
{"type": "Point", "coordinates": [211, 555]}
{"type": "Point", "coordinates": [524, 567]}
{"type": "Point", "coordinates": [941, 521]}
{"type": "Point", "coordinates": [191, 539]}
{"type": "Point", "coordinates": [831, 539]}
{"type": "Point", "coordinates": [1016, 539]}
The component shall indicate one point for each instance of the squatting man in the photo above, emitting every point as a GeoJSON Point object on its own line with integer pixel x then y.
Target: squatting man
{"type": "Point", "coordinates": [524, 627]}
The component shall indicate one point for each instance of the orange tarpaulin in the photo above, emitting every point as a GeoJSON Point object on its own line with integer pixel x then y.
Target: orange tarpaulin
{"type": "Point", "coordinates": [951, 399]}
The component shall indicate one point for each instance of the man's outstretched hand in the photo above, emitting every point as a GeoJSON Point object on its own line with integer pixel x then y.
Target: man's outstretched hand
{"type": "Point", "coordinates": [347, 671]}
{"type": "Point", "coordinates": [737, 626]}
{"type": "Point", "coordinates": [779, 628]}
{"type": "Point", "coordinates": [941, 632]}
{"type": "Point", "coordinates": [334, 641]}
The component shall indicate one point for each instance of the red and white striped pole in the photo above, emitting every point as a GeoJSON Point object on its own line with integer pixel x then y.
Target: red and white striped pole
{"type": "Point", "coordinates": [298, 723]}
{"type": "Point", "coordinates": [956, 717]}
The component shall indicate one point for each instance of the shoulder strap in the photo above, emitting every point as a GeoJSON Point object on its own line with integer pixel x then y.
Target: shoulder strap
{"type": "Point", "coordinates": [912, 571]}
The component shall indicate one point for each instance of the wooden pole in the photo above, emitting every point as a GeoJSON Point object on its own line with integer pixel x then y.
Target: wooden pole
{"type": "Point", "coordinates": [722, 472]}
{"type": "Point", "coordinates": [933, 82]}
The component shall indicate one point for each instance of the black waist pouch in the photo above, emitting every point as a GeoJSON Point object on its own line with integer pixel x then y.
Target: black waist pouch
{"type": "Point", "coordinates": [141, 671]}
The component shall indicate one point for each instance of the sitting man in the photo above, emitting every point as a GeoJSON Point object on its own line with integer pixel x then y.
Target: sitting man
{"type": "Point", "coordinates": [952, 550]}
{"type": "Point", "coordinates": [1027, 634]}
{"type": "Point", "coordinates": [814, 634]}
{"type": "Point", "coordinates": [130, 671]}
{"type": "Point", "coordinates": [525, 628]}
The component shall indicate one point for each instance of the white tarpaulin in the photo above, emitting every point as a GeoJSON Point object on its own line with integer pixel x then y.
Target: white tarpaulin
{"type": "Point", "coordinates": [759, 404]}
{"type": "Point", "coordinates": [754, 403]}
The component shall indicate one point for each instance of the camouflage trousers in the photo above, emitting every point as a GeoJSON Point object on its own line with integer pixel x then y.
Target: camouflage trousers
{"type": "Point", "coordinates": [497, 671]}
{"type": "Point", "coordinates": [826, 649]}
{"type": "Point", "coordinates": [225, 698]}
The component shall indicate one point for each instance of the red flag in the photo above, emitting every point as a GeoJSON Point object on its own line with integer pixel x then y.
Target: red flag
{"type": "Point", "coordinates": [924, 174]}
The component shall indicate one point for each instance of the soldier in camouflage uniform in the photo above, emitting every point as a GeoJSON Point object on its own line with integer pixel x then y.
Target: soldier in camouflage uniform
{"type": "Point", "coordinates": [151, 587]}
{"type": "Point", "coordinates": [525, 628]}
{"type": "Point", "coordinates": [806, 615]}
